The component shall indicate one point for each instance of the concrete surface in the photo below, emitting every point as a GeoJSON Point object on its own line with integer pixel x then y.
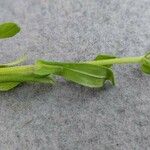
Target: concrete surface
{"type": "Point", "coordinates": [68, 116]}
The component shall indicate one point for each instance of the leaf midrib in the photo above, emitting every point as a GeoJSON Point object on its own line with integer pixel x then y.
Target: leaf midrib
{"type": "Point", "coordinates": [81, 72]}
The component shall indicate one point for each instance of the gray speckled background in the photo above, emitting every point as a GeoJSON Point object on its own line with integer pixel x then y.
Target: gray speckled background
{"type": "Point", "coordinates": [68, 116]}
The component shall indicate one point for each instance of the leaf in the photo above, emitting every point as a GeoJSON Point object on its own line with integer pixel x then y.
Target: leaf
{"type": "Point", "coordinates": [86, 77]}
{"type": "Point", "coordinates": [5, 86]}
{"type": "Point", "coordinates": [8, 82]}
{"type": "Point", "coordinates": [14, 63]}
{"type": "Point", "coordinates": [25, 78]}
{"type": "Point", "coordinates": [84, 74]}
{"type": "Point", "coordinates": [105, 57]}
{"type": "Point", "coordinates": [145, 67]}
{"type": "Point", "coordinates": [8, 30]}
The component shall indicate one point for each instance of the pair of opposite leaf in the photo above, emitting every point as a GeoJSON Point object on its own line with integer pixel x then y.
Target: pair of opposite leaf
{"type": "Point", "coordinates": [82, 73]}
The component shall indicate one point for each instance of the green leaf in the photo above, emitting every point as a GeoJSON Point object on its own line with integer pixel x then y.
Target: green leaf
{"type": "Point", "coordinates": [8, 30]}
{"type": "Point", "coordinates": [25, 78]}
{"type": "Point", "coordinates": [105, 57]}
{"type": "Point", "coordinates": [87, 75]}
{"type": "Point", "coordinates": [14, 63]}
{"type": "Point", "coordinates": [145, 67]}
{"type": "Point", "coordinates": [8, 82]}
{"type": "Point", "coordinates": [81, 73]}
{"type": "Point", "coordinates": [6, 86]}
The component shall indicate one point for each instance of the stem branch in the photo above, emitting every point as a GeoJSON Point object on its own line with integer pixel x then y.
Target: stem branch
{"type": "Point", "coordinates": [125, 60]}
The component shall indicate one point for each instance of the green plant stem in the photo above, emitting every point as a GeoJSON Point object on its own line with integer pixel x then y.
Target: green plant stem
{"type": "Point", "coordinates": [29, 69]}
{"type": "Point", "coordinates": [27, 72]}
{"type": "Point", "coordinates": [124, 60]}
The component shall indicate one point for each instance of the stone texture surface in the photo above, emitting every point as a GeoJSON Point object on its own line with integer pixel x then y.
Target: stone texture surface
{"type": "Point", "coordinates": [68, 116]}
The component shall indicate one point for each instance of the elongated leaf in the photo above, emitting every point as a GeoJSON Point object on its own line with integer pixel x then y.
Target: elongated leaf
{"type": "Point", "coordinates": [8, 30]}
{"type": "Point", "coordinates": [10, 81]}
{"type": "Point", "coordinates": [84, 74]}
{"type": "Point", "coordinates": [86, 78]}
{"type": "Point", "coordinates": [25, 78]}
{"type": "Point", "coordinates": [14, 63]}
{"type": "Point", "coordinates": [5, 86]}
{"type": "Point", "coordinates": [105, 57]}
